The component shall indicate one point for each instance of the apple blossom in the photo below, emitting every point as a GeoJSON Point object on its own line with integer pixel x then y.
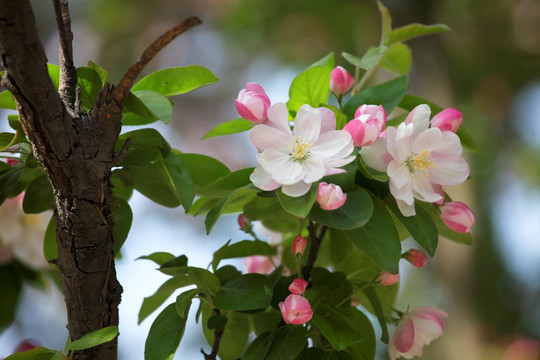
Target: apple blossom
{"type": "Point", "coordinates": [330, 196]}
{"type": "Point", "coordinates": [299, 245]}
{"type": "Point", "coordinates": [298, 286]}
{"type": "Point", "coordinates": [252, 103]}
{"type": "Point", "coordinates": [341, 81]}
{"type": "Point", "coordinates": [448, 120]}
{"type": "Point", "coordinates": [416, 329]}
{"type": "Point", "coordinates": [296, 310]}
{"type": "Point", "coordinates": [415, 257]}
{"type": "Point", "coordinates": [457, 216]}
{"type": "Point", "coordinates": [258, 264]}
{"type": "Point", "coordinates": [416, 158]}
{"type": "Point", "coordinates": [368, 123]}
{"type": "Point", "coordinates": [294, 160]}
{"type": "Point", "coordinates": [385, 278]}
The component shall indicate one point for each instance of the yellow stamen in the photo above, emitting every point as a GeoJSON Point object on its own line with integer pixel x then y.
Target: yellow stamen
{"type": "Point", "coordinates": [420, 162]}
{"type": "Point", "coordinates": [299, 149]}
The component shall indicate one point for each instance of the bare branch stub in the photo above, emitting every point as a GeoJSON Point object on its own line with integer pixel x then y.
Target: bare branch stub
{"type": "Point", "coordinates": [122, 89]}
{"type": "Point", "coordinates": [68, 72]}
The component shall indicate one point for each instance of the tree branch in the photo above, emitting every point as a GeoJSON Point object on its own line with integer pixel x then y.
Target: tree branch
{"type": "Point", "coordinates": [68, 72]}
{"type": "Point", "coordinates": [122, 89]}
{"type": "Point", "coordinates": [316, 238]}
{"type": "Point", "coordinates": [217, 340]}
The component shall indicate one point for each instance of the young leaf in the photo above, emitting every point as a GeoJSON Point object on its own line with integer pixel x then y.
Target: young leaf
{"type": "Point", "coordinates": [122, 218]}
{"type": "Point", "coordinates": [6, 101]}
{"type": "Point", "coordinates": [298, 206]}
{"type": "Point", "coordinates": [49, 244]}
{"type": "Point", "coordinates": [247, 292]}
{"type": "Point", "coordinates": [227, 184]}
{"type": "Point", "coordinates": [204, 169]}
{"type": "Point", "coordinates": [386, 20]}
{"type": "Point", "coordinates": [37, 353]}
{"type": "Point", "coordinates": [165, 335]}
{"type": "Point", "coordinates": [397, 59]}
{"type": "Point", "coordinates": [38, 196]}
{"type": "Point", "coordinates": [183, 302]}
{"type": "Point", "coordinates": [311, 86]}
{"type": "Point", "coordinates": [388, 94]}
{"type": "Point", "coordinates": [181, 179]}
{"type": "Point", "coordinates": [175, 81]}
{"type": "Point", "coordinates": [378, 238]}
{"type": "Point", "coordinates": [90, 84]}
{"type": "Point", "coordinates": [411, 31]}
{"type": "Point", "coordinates": [368, 60]}
{"type": "Point", "coordinates": [54, 74]}
{"type": "Point", "coordinates": [94, 338]}
{"type": "Point", "coordinates": [353, 214]}
{"type": "Point", "coordinates": [204, 279]}
{"type": "Point", "coordinates": [10, 139]}
{"type": "Point", "coordinates": [145, 107]}
{"type": "Point", "coordinates": [229, 127]}
{"type": "Point", "coordinates": [242, 249]}
{"type": "Point", "coordinates": [99, 70]}
{"type": "Point", "coordinates": [159, 258]}
{"type": "Point", "coordinates": [239, 197]}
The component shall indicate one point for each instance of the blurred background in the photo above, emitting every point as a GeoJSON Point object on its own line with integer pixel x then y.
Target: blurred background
{"type": "Point", "coordinates": [488, 67]}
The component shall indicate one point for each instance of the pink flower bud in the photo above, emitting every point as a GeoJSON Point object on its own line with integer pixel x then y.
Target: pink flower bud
{"type": "Point", "coordinates": [299, 245]}
{"type": "Point", "coordinates": [415, 257]}
{"type": "Point", "coordinates": [340, 81]}
{"type": "Point", "coordinates": [385, 278]}
{"type": "Point", "coordinates": [448, 120]}
{"type": "Point", "coordinates": [26, 345]}
{"type": "Point", "coordinates": [457, 216]}
{"type": "Point", "coordinates": [368, 124]}
{"type": "Point", "coordinates": [416, 329]}
{"type": "Point", "coordinates": [244, 223]}
{"type": "Point", "coordinates": [258, 264]}
{"type": "Point", "coordinates": [330, 196]}
{"type": "Point", "coordinates": [296, 310]}
{"type": "Point", "coordinates": [298, 286]}
{"type": "Point", "coordinates": [13, 162]}
{"type": "Point", "coordinates": [252, 103]}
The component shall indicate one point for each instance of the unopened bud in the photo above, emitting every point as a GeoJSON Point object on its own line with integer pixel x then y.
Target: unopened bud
{"type": "Point", "coordinates": [415, 257]}
{"type": "Point", "coordinates": [299, 245]}
{"type": "Point", "coordinates": [386, 279]}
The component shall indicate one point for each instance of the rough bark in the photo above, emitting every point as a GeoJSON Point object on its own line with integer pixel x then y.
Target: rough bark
{"type": "Point", "coordinates": [77, 152]}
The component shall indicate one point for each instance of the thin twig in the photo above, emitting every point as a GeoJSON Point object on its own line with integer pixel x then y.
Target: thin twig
{"type": "Point", "coordinates": [68, 72]}
{"type": "Point", "coordinates": [316, 239]}
{"type": "Point", "coordinates": [217, 339]}
{"type": "Point", "coordinates": [122, 89]}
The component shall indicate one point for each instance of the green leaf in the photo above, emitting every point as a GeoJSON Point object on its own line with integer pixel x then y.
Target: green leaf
{"type": "Point", "coordinates": [467, 141]}
{"type": "Point", "coordinates": [95, 338]}
{"type": "Point", "coordinates": [38, 196]}
{"type": "Point", "coordinates": [154, 301]}
{"type": "Point", "coordinates": [99, 70]}
{"type": "Point", "coordinates": [368, 60]}
{"type": "Point", "coordinates": [412, 31]}
{"type": "Point", "coordinates": [122, 218]}
{"type": "Point", "coordinates": [142, 141]}
{"type": "Point", "coordinates": [421, 227]}
{"type": "Point", "coordinates": [11, 281]}
{"type": "Point", "coordinates": [8, 180]}
{"type": "Point", "coordinates": [288, 343]}
{"type": "Point", "coordinates": [365, 348]}
{"type": "Point", "coordinates": [312, 353]}
{"type": "Point", "coordinates": [227, 184]}
{"type": "Point", "coordinates": [6, 100]}
{"type": "Point", "coordinates": [444, 230]}
{"type": "Point", "coordinates": [336, 328]}
{"type": "Point", "coordinates": [298, 206]}
{"type": "Point", "coordinates": [204, 169]}
{"type": "Point", "coordinates": [181, 179]}
{"type": "Point", "coordinates": [204, 279]}
{"type": "Point", "coordinates": [325, 282]}
{"type": "Point", "coordinates": [37, 353]}
{"type": "Point", "coordinates": [183, 301]}
{"type": "Point", "coordinates": [397, 59]}
{"type": "Point", "coordinates": [229, 127]}
{"type": "Point", "coordinates": [216, 322]}
{"type": "Point", "coordinates": [54, 74]}
{"type": "Point", "coordinates": [145, 107]}
{"type": "Point", "coordinates": [159, 258]}
{"type": "Point", "coordinates": [377, 307]}
{"type": "Point", "coordinates": [49, 244]}
{"type": "Point", "coordinates": [270, 212]}
{"type": "Point", "coordinates": [386, 22]}
{"type": "Point", "coordinates": [90, 83]}
{"type": "Point", "coordinates": [242, 249]}
{"type": "Point", "coordinates": [175, 81]}
{"type": "Point", "coordinates": [311, 86]}
{"type": "Point", "coordinates": [239, 196]}
{"type": "Point", "coordinates": [353, 214]}
{"type": "Point", "coordinates": [10, 139]}
{"type": "Point", "coordinates": [122, 184]}
{"type": "Point", "coordinates": [246, 292]}
{"type": "Point", "coordinates": [165, 335]}
{"type": "Point", "coordinates": [258, 349]}
{"type": "Point", "coordinates": [378, 238]}
{"type": "Point", "coordinates": [388, 94]}
{"type": "Point", "coordinates": [57, 355]}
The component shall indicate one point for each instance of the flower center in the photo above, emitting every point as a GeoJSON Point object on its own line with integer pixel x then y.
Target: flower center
{"type": "Point", "coordinates": [299, 149]}
{"type": "Point", "coordinates": [420, 162]}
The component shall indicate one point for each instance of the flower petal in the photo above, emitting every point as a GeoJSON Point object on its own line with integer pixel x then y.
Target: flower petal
{"type": "Point", "coordinates": [404, 336]}
{"type": "Point", "coordinates": [264, 137]}
{"type": "Point", "coordinates": [263, 180]}
{"type": "Point", "coordinates": [402, 193]}
{"type": "Point", "coordinates": [278, 117]}
{"type": "Point", "coordinates": [308, 123]}
{"type": "Point", "coordinates": [328, 119]}
{"type": "Point", "coordinates": [422, 188]}
{"type": "Point", "coordinates": [335, 143]}
{"type": "Point", "coordinates": [398, 173]}
{"type": "Point", "coordinates": [314, 169]}
{"type": "Point", "coordinates": [280, 165]}
{"type": "Point", "coordinates": [429, 140]}
{"type": "Point", "coordinates": [406, 209]}
{"type": "Point", "coordinates": [296, 190]}
{"type": "Point", "coordinates": [375, 155]}
{"type": "Point", "coordinates": [419, 116]}
{"type": "Point", "coordinates": [448, 169]}
{"type": "Point", "coordinates": [399, 141]}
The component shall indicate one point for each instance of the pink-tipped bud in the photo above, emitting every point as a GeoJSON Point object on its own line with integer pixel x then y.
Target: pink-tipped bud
{"type": "Point", "coordinates": [252, 103]}
{"type": "Point", "coordinates": [457, 216]}
{"type": "Point", "coordinates": [299, 245]}
{"type": "Point", "coordinates": [340, 81]}
{"type": "Point", "coordinates": [415, 257]}
{"type": "Point", "coordinates": [298, 286]}
{"type": "Point", "coordinates": [26, 345]}
{"type": "Point", "coordinates": [244, 223]}
{"type": "Point", "coordinates": [386, 279]}
{"type": "Point", "coordinates": [330, 196]}
{"type": "Point", "coordinates": [296, 310]}
{"type": "Point", "coordinates": [368, 124]}
{"type": "Point", "coordinates": [448, 120]}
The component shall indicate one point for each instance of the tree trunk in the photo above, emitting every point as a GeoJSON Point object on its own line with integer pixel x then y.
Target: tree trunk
{"type": "Point", "coordinates": [77, 152]}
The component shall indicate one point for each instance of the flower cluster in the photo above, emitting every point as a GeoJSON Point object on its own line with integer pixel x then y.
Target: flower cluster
{"type": "Point", "coordinates": [296, 308]}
